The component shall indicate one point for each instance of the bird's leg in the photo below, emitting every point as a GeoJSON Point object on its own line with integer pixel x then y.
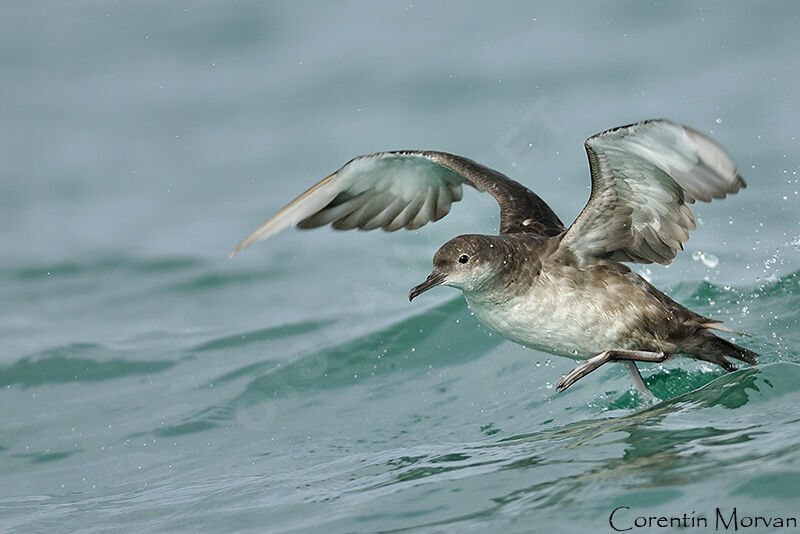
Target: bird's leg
{"type": "Point", "coordinates": [627, 357]}
{"type": "Point", "coordinates": [636, 376]}
{"type": "Point", "coordinates": [638, 381]}
{"type": "Point", "coordinates": [582, 370]}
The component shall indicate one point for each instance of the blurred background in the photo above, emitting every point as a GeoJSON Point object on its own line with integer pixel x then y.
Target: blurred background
{"type": "Point", "coordinates": [150, 381]}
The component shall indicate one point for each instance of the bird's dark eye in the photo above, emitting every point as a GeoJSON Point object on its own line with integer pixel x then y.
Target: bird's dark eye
{"type": "Point", "coordinates": [463, 258]}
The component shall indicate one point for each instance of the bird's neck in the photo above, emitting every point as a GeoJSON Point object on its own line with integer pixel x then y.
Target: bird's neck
{"type": "Point", "coordinates": [489, 295]}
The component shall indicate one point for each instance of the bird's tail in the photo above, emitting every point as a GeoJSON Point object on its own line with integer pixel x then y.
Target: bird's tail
{"type": "Point", "coordinates": [706, 346]}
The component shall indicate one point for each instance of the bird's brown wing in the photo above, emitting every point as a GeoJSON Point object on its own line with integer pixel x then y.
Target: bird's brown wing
{"type": "Point", "coordinates": [407, 189]}
{"type": "Point", "coordinates": [643, 176]}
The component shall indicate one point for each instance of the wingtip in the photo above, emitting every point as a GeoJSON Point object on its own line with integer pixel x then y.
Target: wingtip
{"type": "Point", "coordinates": [238, 248]}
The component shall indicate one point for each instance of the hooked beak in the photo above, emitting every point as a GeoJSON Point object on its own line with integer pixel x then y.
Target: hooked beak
{"type": "Point", "coordinates": [433, 280]}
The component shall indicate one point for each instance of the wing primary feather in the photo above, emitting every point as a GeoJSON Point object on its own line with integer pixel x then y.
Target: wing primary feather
{"type": "Point", "coordinates": [443, 202]}
{"type": "Point", "coordinates": [457, 191]}
{"type": "Point", "coordinates": [366, 210]}
{"type": "Point", "coordinates": [372, 209]}
{"type": "Point", "coordinates": [426, 211]}
{"type": "Point", "coordinates": [385, 216]}
{"type": "Point", "coordinates": [314, 198]}
{"type": "Point", "coordinates": [404, 217]}
{"type": "Point", "coordinates": [339, 207]}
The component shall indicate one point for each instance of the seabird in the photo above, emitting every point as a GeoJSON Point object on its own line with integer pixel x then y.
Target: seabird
{"type": "Point", "coordinates": [565, 291]}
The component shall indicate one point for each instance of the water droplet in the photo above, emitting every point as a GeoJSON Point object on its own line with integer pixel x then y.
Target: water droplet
{"type": "Point", "coordinates": [708, 259]}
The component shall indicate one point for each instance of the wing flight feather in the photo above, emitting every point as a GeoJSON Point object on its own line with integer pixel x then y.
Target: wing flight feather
{"type": "Point", "coordinates": [407, 189]}
{"type": "Point", "coordinates": [643, 177]}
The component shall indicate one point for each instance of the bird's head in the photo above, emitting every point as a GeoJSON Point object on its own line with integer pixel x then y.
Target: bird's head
{"type": "Point", "coordinates": [467, 262]}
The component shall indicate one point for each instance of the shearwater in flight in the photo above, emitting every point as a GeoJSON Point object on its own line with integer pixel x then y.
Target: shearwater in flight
{"type": "Point", "coordinates": [565, 291]}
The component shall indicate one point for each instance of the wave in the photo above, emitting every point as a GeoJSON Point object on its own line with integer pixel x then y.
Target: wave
{"type": "Point", "coordinates": [76, 362]}
{"type": "Point", "coordinates": [411, 345]}
{"type": "Point", "coordinates": [435, 337]}
{"type": "Point", "coordinates": [673, 444]}
{"type": "Point", "coordinates": [262, 335]}
{"type": "Point", "coordinates": [106, 265]}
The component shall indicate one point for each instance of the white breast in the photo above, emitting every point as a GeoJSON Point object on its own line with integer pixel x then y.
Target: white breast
{"type": "Point", "coordinates": [555, 318]}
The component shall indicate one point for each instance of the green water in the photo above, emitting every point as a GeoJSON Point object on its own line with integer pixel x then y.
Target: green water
{"type": "Point", "coordinates": [150, 384]}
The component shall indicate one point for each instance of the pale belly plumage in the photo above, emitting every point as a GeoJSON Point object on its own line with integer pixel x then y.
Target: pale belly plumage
{"type": "Point", "coordinates": [560, 319]}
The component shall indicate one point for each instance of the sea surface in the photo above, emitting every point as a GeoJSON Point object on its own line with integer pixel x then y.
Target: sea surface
{"type": "Point", "coordinates": [148, 383]}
